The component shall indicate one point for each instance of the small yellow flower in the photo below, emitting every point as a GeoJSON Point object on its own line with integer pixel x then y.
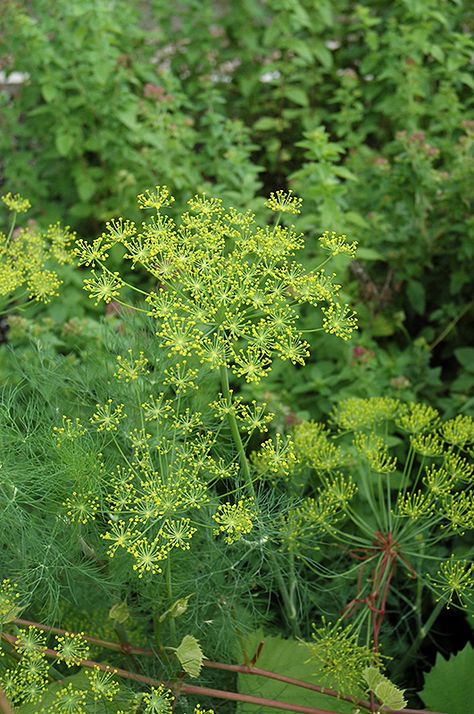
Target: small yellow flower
{"type": "Point", "coordinates": [284, 202]}
{"type": "Point", "coordinates": [234, 520]}
{"type": "Point", "coordinates": [16, 203]}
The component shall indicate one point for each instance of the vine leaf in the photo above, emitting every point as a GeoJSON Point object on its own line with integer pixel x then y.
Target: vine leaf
{"type": "Point", "coordinates": [386, 692]}
{"type": "Point", "coordinates": [449, 685]}
{"type": "Point", "coordinates": [288, 657]}
{"type": "Point", "coordinates": [190, 655]}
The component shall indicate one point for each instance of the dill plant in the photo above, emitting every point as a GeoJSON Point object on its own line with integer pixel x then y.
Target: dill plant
{"type": "Point", "coordinates": [403, 479]}
{"type": "Point", "coordinates": [176, 515]}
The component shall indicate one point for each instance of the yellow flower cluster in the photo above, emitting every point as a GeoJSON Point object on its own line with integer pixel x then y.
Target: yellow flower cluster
{"type": "Point", "coordinates": [375, 450]}
{"type": "Point", "coordinates": [234, 520]}
{"type": "Point", "coordinates": [69, 430]}
{"type": "Point", "coordinates": [335, 244]}
{"type": "Point", "coordinates": [276, 457]}
{"type": "Point", "coordinates": [149, 509]}
{"type": "Point", "coordinates": [418, 418]}
{"type": "Point", "coordinates": [129, 368]}
{"type": "Point", "coordinates": [455, 579]}
{"type": "Point", "coordinates": [16, 203]}
{"type": "Point", "coordinates": [81, 507]}
{"type": "Point", "coordinates": [28, 255]}
{"type": "Point", "coordinates": [9, 606]}
{"type": "Point", "coordinates": [339, 657]}
{"type": "Point", "coordinates": [354, 413]}
{"type": "Point", "coordinates": [229, 289]}
{"type": "Point", "coordinates": [107, 417]}
{"type": "Point", "coordinates": [284, 202]}
{"type": "Point", "coordinates": [71, 648]}
{"type": "Point", "coordinates": [315, 448]}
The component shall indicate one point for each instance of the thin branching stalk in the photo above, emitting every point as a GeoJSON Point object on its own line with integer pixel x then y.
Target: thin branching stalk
{"type": "Point", "coordinates": [234, 428]}
{"type": "Point", "coordinates": [423, 631]}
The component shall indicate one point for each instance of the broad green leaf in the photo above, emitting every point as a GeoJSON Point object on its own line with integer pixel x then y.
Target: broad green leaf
{"type": "Point", "coordinates": [449, 685]}
{"type": "Point", "coordinates": [49, 92]}
{"type": "Point", "coordinates": [368, 254]}
{"type": "Point", "coordinates": [266, 123]}
{"type": "Point", "coordinates": [128, 117]}
{"type": "Point", "coordinates": [416, 296]}
{"type": "Point", "coordinates": [85, 183]}
{"type": "Point", "coordinates": [297, 95]}
{"type": "Point", "coordinates": [64, 142]}
{"type": "Point", "coordinates": [290, 658]}
{"type": "Point", "coordinates": [465, 357]}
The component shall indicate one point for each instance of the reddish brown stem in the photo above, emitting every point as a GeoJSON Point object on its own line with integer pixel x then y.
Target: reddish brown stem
{"type": "Point", "coordinates": [179, 688]}
{"type": "Point", "coordinates": [5, 706]}
{"type": "Point", "coordinates": [245, 669]}
{"type": "Point", "coordinates": [106, 644]}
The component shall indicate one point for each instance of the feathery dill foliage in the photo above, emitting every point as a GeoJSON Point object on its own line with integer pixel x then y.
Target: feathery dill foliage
{"type": "Point", "coordinates": [28, 256]}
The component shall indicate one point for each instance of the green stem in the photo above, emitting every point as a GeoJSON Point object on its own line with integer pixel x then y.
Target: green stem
{"type": "Point", "coordinates": [169, 588]}
{"type": "Point", "coordinates": [450, 326]}
{"type": "Point", "coordinates": [12, 228]}
{"type": "Point", "coordinates": [289, 605]}
{"type": "Point", "coordinates": [234, 428]}
{"type": "Point", "coordinates": [423, 631]}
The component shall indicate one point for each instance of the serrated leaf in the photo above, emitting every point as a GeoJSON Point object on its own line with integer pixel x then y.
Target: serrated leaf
{"type": "Point", "coordinates": [386, 692]}
{"type": "Point", "coordinates": [390, 695]}
{"type": "Point", "coordinates": [373, 677]}
{"type": "Point", "coordinates": [190, 655]}
{"type": "Point", "coordinates": [449, 685]}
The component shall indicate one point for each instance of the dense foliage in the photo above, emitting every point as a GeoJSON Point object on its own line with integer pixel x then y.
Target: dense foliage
{"type": "Point", "coordinates": [236, 433]}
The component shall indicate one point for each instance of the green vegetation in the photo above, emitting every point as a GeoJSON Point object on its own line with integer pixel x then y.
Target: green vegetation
{"type": "Point", "coordinates": [236, 433]}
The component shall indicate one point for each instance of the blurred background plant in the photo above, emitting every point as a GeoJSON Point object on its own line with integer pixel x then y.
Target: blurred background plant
{"type": "Point", "coordinates": [364, 109]}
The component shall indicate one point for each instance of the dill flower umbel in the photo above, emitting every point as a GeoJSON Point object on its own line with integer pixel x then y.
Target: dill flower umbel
{"type": "Point", "coordinates": [103, 685]}
{"type": "Point", "coordinates": [71, 648]}
{"type": "Point", "coordinates": [234, 520]}
{"type": "Point", "coordinates": [16, 203]}
{"type": "Point", "coordinates": [341, 660]}
{"type": "Point", "coordinates": [454, 580]}
{"type": "Point", "coordinates": [28, 255]}
{"type": "Point", "coordinates": [229, 290]}
{"type": "Point", "coordinates": [284, 202]}
{"type": "Point", "coordinates": [107, 417]}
